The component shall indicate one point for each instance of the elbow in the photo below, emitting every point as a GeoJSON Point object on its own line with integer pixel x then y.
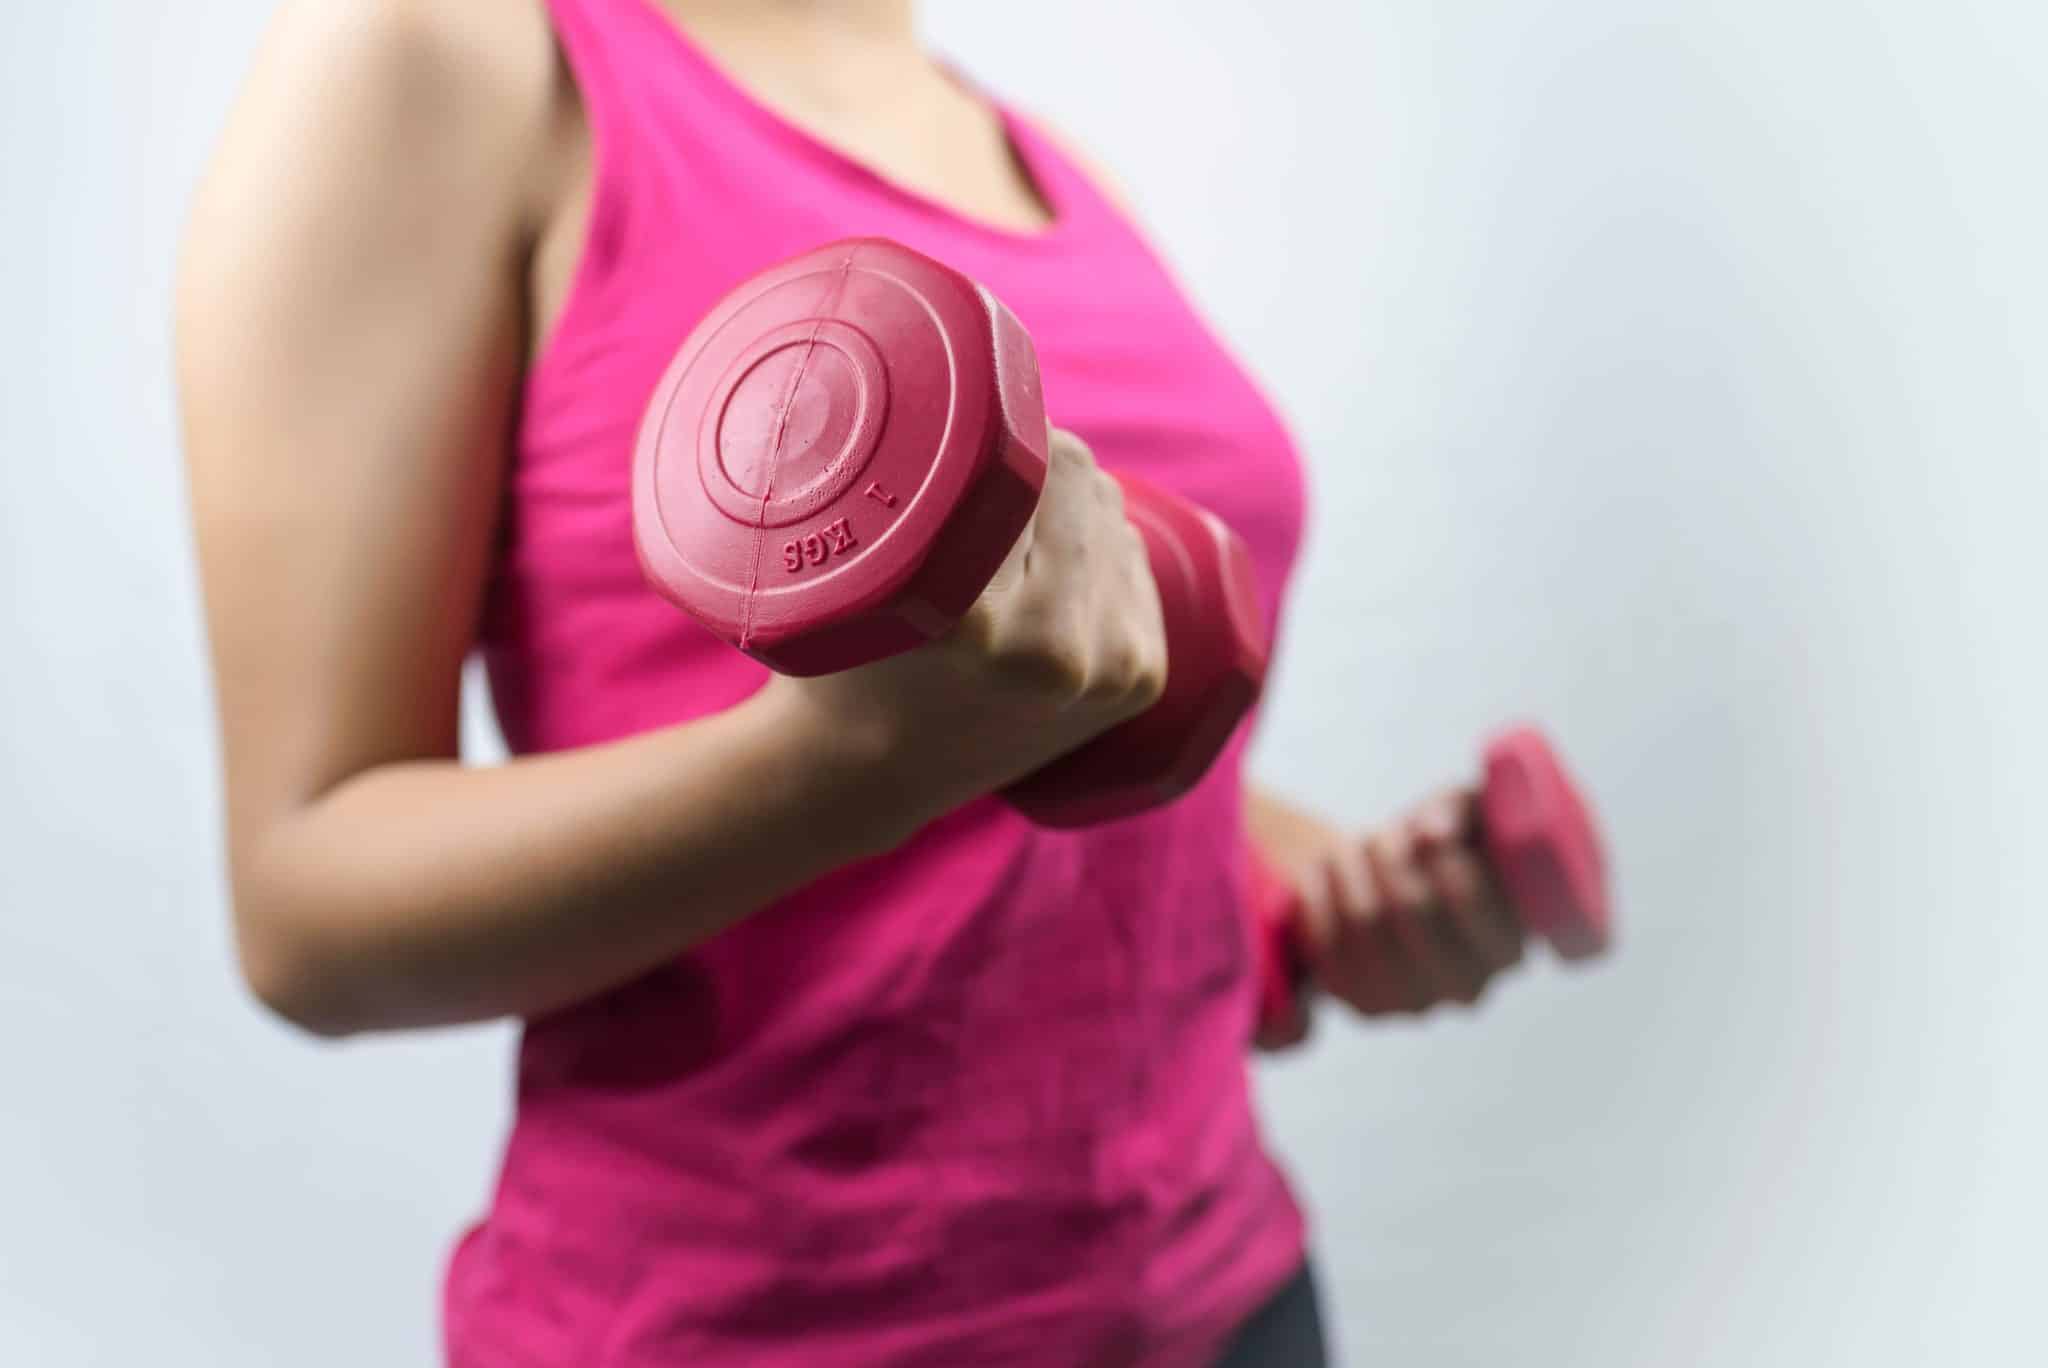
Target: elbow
{"type": "Point", "coordinates": [295, 980]}
{"type": "Point", "coordinates": [293, 959]}
{"type": "Point", "coordinates": [299, 992]}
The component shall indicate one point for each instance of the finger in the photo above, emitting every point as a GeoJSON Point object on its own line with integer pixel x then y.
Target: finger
{"type": "Point", "coordinates": [1449, 826]}
{"type": "Point", "coordinates": [1449, 817]}
{"type": "Point", "coordinates": [1461, 967]}
{"type": "Point", "coordinates": [1315, 925]}
{"type": "Point", "coordinates": [1353, 965]}
{"type": "Point", "coordinates": [1066, 505]}
{"type": "Point", "coordinates": [1386, 983]}
{"type": "Point", "coordinates": [1140, 593]}
{"type": "Point", "coordinates": [1049, 532]}
{"type": "Point", "coordinates": [1473, 908]}
{"type": "Point", "coordinates": [1435, 970]}
{"type": "Point", "coordinates": [1469, 923]}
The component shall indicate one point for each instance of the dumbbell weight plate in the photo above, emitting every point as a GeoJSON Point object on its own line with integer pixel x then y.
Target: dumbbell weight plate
{"type": "Point", "coordinates": [839, 457]}
{"type": "Point", "coordinates": [1542, 845]}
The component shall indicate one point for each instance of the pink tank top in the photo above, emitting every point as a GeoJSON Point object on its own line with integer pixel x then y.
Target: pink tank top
{"type": "Point", "coordinates": [984, 1100]}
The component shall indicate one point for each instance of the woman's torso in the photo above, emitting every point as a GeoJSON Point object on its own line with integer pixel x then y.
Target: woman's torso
{"type": "Point", "coordinates": [982, 1100]}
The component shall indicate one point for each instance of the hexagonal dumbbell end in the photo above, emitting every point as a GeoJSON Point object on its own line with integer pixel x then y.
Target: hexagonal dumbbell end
{"type": "Point", "coordinates": [1542, 845]}
{"type": "Point", "coordinates": [839, 457]}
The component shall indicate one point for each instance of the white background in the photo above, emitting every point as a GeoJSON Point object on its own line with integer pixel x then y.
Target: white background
{"type": "Point", "coordinates": [1674, 373]}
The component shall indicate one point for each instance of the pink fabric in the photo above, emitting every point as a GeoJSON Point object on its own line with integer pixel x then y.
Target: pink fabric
{"type": "Point", "coordinates": [983, 1101]}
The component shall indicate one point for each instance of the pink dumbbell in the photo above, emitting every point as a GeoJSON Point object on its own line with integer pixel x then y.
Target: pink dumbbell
{"type": "Point", "coordinates": [838, 460]}
{"type": "Point", "coordinates": [1539, 839]}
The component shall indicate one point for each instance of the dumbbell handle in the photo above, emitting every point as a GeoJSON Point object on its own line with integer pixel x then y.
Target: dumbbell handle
{"type": "Point", "coordinates": [1216, 663]}
{"type": "Point", "coordinates": [1539, 839]}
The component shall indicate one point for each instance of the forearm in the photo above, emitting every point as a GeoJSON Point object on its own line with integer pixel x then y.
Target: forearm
{"type": "Point", "coordinates": [1282, 834]}
{"type": "Point", "coordinates": [427, 893]}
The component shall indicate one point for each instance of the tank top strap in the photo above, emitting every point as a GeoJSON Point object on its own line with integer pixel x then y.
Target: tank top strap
{"type": "Point", "coordinates": [605, 44]}
{"type": "Point", "coordinates": [664, 146]}
{"type": "Point", "coordinates": [601, 42]}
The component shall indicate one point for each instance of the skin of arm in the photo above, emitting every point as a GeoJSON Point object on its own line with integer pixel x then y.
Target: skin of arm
{"type": "Point", "coordinates": [350, 334]}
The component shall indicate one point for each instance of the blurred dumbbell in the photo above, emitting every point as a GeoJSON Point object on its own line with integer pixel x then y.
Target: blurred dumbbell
{"type": "Point", "coordinates": [839, 459]}
{"type": "Point", "coordinates": [1539, 839]}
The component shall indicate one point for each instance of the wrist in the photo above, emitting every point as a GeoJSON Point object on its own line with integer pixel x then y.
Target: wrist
{"type": "Point", "coordinates": [845, 770]}
{"type": "Point", "coordinates": [1289, 838]}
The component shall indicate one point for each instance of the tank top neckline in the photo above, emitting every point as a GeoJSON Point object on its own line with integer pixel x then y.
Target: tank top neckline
{"type": "Point", "coordinates": [1023, 141]}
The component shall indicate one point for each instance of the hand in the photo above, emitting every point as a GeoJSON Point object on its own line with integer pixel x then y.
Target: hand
{"type": "Point", "coordinates": [1066, 642]}
{"type": "Point", "coordinates": [1402, 920]}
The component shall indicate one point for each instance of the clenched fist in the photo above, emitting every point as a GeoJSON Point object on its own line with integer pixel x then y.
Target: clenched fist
{"type": "Point", "coordinates": [1395, 921]}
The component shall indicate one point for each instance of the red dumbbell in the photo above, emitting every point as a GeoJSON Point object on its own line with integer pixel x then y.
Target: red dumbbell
{"type": "Point", "coordinates": [837, 462]}
{"type": "Point", "coordinates": [1539, 839]}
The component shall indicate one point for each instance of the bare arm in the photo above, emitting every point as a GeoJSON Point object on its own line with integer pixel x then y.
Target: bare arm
{"type": "Point", "coordinates": [349, 338]}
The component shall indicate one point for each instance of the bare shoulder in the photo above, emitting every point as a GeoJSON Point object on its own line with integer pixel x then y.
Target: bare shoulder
{"type": "Point", "coordinates": [434, 77]}
{"type": "Point", "coordinates": [469, 49]}
{"type": "Point", "coordinates": [375, 140]}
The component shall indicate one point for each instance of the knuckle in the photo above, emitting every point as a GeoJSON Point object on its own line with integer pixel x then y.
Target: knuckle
{"type": "Point", "coordinates": [1362, 918]}
{"type": "Point", "coordinates": [1150, 686]}
{"type": "Point", "coordinates": [1384, 846]}
{"type": "Point", "coordinates": [1146, 676]}
{"type": "Point", "coordinates": [1355, 918]}
{"type": "Point", "coordinates": [1362, 905]}
{"type": "Point", "coordinates": [1070, 450]}
{"type": "Point", "coordinates": [1039, 654]}
{"type": "Point", "coordinates": [1056, 673]}
{"type": "Point", "coordinates": [1061, 668]}
{"type": "Point", "coordinates": [979, 629]}
{"type": "Point", "coordinates": [1107, 682]}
